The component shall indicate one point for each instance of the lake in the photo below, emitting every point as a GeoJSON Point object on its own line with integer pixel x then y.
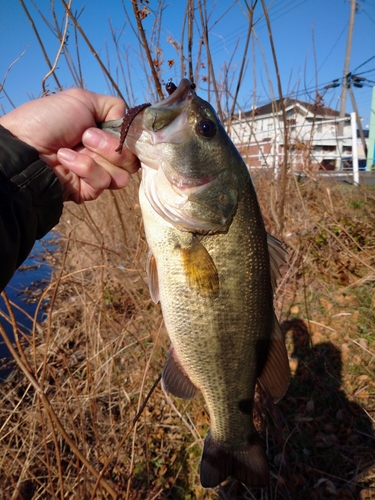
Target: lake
{"type": "Point", "coordinates": [33, 275]}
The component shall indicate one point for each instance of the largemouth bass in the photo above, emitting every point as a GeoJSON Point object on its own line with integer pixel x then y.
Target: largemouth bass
{"type": "Point", "coordinates": [212, 266]}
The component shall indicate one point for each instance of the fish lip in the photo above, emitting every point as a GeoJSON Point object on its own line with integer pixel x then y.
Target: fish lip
{"type": "Point", "coordinates": [183, 91]}
{"type": "Point", "coordinates": [185, 183]}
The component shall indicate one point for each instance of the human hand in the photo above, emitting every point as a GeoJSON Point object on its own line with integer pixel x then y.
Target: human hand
{"type": "Point", "coordinates": [62, 128]}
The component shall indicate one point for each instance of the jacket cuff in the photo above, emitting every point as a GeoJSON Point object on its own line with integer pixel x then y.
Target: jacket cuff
{"type": "Point", "coordinates": [24, 170]}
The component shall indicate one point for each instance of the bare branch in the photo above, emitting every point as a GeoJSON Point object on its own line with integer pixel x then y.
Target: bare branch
{"type": "Point", "coordinates": [204, 21]}
{"type": "Point", "coordinates": [190, 13]}
{"type": "Point", "coordinates": [284, 171]}
{"type": "Point", "coordinates": [40, 43]}
{"type": "Point", "coordinates": [62, 43]}
{"type": "Point", "coordinates": [93, 51]}
{"type": "Point", "coordinates": [240, 76]}
{"type": "Point", "coordinates": [146, 48]}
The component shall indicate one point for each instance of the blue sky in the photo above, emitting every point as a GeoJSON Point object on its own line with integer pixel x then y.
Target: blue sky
{"type": "Point", "coordinates": [310, 39]}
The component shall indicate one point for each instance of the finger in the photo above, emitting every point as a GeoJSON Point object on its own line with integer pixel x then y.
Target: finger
{"type": "Point", "coordinates": [105, 145]}
{"type": "Point", "coordinates": [70, 184]}
{"type": "Point", "coordinates": [96, 172]}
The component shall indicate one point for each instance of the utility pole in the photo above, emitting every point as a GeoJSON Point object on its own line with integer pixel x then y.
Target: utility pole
{"type": "Point", "coordinates": [344, 82]}
{"type": "Point", "coordinates": [371, 143]}
{"type": "Point", "coordinates": [359, 124]}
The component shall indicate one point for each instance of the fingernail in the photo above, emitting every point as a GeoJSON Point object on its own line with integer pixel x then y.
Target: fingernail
{"type": "Point", "coordinates": [93, 138]}
{"type": "Point", "coordinates": [67, 154]}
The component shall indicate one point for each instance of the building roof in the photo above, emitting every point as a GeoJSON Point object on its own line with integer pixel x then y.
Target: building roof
{"type": "Point", "coordinates": [275, 107]}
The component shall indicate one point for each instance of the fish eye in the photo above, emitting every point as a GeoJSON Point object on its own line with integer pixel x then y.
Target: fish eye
{"type": "Point", "coordinates": [207, 128]}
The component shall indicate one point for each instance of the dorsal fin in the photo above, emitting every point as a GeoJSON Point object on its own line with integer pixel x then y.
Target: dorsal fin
{"type": "Point", "coordinates": [277, 258]}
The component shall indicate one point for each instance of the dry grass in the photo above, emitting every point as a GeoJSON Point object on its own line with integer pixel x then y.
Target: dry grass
{"type": "Point", "coordinates": [103, 345]}
{"type": "Point", "coordinates": [327, 448]}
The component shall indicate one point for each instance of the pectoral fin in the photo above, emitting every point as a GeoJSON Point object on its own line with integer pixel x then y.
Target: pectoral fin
{"type": "Point", "coordinates": [175, 379]}
{"type": "Point", "coordinates": [152, 273]}
{"type": "Point", "coordinates": [275, 375]}
{"type": "Point", "coordinates": [200, 269]}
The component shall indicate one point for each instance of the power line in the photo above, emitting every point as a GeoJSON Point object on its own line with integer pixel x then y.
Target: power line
{"type": "Point", "coordinates": [216, 46]}
{"type": "Point", "coordinates": [360, 66]}
{"type": "Point", "coordinates": [332, 49]}
{"type": "Point", "coordinates": [368, 15]}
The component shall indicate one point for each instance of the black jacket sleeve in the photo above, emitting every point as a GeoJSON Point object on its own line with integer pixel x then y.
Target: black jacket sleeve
{"type": "Point", "coordinates": [30, 202]}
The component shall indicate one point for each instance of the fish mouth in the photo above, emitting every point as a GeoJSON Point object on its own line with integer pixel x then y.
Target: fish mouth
{"type": "Point", "coordinates": [184, 91]}
{"type": "Point", "coordinates": [163, 113]}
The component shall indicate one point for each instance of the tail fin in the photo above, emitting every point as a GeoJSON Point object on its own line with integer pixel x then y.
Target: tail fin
{"type": "Point", "coordinates": [247, 463]}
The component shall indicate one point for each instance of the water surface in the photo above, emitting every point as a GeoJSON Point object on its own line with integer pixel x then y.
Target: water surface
{"type": "Point", "coordinates": [24, 290]}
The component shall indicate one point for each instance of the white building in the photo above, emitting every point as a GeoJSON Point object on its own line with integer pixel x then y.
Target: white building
{"type": "Point", "coordinates": [312, 131]}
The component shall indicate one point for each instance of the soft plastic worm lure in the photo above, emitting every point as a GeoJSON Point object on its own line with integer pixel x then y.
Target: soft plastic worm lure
{"type": "Point", "coordinates": [127, 121]}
